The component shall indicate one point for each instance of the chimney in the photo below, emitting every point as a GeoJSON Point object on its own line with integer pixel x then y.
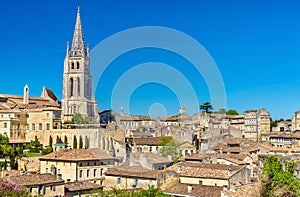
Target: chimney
{"type": "Point", "coordinates": [26, 95]}
{"type": "Point", "coordinates": [229, 172]}
{"type": "Point", "coordinates": [179, 168]}
{"type": "Point", "coordinates": [190, 188]}
{"type": "Point", "coordinates": [59, 176]}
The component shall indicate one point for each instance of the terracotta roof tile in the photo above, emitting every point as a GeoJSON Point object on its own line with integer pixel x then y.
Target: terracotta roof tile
{"type": "Point", "coordinates": [208, 170]}
{"type": "Point", "coordinates": [81, 185]}
{"type": "Point", "coordinates": [34, 179]}
{"type": "Point", "coordinates": [133, 171]}
{"type": "Point", "coordinates": [77, 155]}
{"type": "Point", "coordinates": [150, 141]}
{"type": "Point", "coordinates": [197, 190]}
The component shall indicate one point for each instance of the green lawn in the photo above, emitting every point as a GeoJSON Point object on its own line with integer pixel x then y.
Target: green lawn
{"type": "Point", "coordinates": [32, 154]}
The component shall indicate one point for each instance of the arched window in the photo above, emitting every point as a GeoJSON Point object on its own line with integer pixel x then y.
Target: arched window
{"type": "Point", "coordinates": [78, 86]}
{"type": "Point", "coordinates": [72, 65]}
{"type": "Point", "coordinates": [71, 86]}
{"type": "Point", "coordinates": [77, 65]}
{"type": "Point", "coordinates": [74, 109]}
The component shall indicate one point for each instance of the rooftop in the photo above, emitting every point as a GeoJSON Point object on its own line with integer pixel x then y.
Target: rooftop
{"type": "Point", "coordinates": [77, 155]}
{"type": "Point", "coordinates": [197, 190]}
{"type": "Point", "coordinates": [35, 179]}
{"type": "Point", "coordinates": [207, 170]}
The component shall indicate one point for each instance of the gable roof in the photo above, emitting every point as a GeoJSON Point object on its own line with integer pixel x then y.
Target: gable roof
{"type": "Point", "coordinates": [35, 179]}
{"type": "Point", "coordinates": [133, 171]}
{"type": "Point", "coordinates": [150, 141]}
{"type": "Point", "coordinates": [197, 190]}
{"type": "Point", "coordinates": [205, 170]}
{"type": "Point", "coordinates": [77, 155]}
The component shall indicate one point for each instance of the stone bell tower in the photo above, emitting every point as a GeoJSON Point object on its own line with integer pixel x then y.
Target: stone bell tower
{"type": "Point", "coordinates": [77, 80]}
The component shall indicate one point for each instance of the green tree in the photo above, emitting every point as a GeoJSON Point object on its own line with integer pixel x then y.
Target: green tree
{"type": "Point", "coordinates": [170, 148]}
{"type": "Point", "coordinates": [206, 107]}
{"type": "Point", "coordinates": [86, 142]}
{"type": "Point", "coordinates": [50, 141]}
{"type": "Point", "coordinates": [66, 141]}
{"type": "Point", "coordinates": [80, 142]}
{"type": "Point", "coordinates": [80, 119]}
{"type": "Point", "coordinates": [75, 142]}
{"type": "Point", "coordinates": [277, 182]}
{"type": "Point", "coordinates": [232, 112]}
{"type": "Point", "coordinates": [164, 141]}
{"type": "Point", "coordinates": [35, 143]}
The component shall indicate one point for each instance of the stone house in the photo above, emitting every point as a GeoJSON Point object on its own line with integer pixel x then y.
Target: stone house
{"type": "Point", "coordinates": [133, 177]}
{"type": "Point", "coordinates": [77, 164]}
{"type": "Point", "coordinates": [40, 184]}
{"type": "Point", "coordinates": [183, 189]}
{"type": "Point", "coordinates": [211, 174]}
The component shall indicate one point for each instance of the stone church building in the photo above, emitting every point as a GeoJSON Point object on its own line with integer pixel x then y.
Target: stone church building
{"type": "Point", "coordinates": [77, 80]}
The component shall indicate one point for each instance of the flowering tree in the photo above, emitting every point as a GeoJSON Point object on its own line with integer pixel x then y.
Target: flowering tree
{"type": "Point", "coordinates": [8, 188]}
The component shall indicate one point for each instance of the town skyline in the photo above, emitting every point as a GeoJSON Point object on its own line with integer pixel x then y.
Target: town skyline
{"type": "Point", "coordinates": [40, 50]}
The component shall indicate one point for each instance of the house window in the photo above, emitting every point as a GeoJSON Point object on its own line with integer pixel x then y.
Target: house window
{"type": "Point", "coordinates": [46, 170]}
{"type": "Point", "coordinates": [119, 181]}
{"type": "Point", "coordinates": [150, 183]}
{"type": "Point", "coordinates": [101, 172]}
{"type": "Point", "coordinates": [40, 126]}
{"type": "Point", "coordinates": [95, 172]}
{"type": "Point", "coordinates": [5, 125]}
{"type": "Point", "coordinates": [27, 126]}
{"type": "Point", "coordinates": [52, 187]}
{"type": "Point", "coordinates": [137, 183]}
{"type": "Point", "coordinates": [48, 126]}
{"type": "Point", "coordinates": [150, 148]}
{"type": "Point", "coordinates": [88, 173]}
{"type": "Point", "coordinates": [200, 182]}
{"type": "Point", "coordinates": [80, 174]}
{"type": "Point", "coordinates": [48, 115]}
{"type": "Point", "coordinates": [33, 127]}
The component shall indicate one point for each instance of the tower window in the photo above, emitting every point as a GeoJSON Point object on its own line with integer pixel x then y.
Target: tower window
{"type": "Point", "coordinates": [72, 65]}
{"type": "Point", "coordinates": [71, 86]}
{"type": "Point", "coordinates": [74, 109]}
{"type": "Point", "coordinates": [78, 86]}
{"type": "Point", "coordinates": [77, 65]}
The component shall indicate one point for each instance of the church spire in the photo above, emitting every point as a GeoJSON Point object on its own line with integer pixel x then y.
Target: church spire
{"type": "Point", "coordinates": [78, 42]}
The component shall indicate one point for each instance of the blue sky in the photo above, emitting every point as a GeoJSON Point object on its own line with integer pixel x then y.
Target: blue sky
{"type": "Point", "coordinates": [255, 45]}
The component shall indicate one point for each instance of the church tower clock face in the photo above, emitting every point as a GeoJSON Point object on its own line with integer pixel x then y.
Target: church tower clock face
{"type": "Point", "coordinates": [77, 80]}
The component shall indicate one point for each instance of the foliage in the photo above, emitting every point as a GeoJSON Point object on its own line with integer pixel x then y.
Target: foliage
{"type": "Point", "coordinates": [80, 142]}
{"type": "Point", "coordinates": [47, 150]}
{"type": "Point", "coordinates": [75, 142]}
{"type": "Point", "coordinates": [150, 192]}
{"type": "Point", "coordinates": [50, 141]}
{"type": "Point", "coordinates": [232, 112]}
{"type": "Point", "coordinates": [7, 151]}
{"type": "Point", "coordinates": [170, 148]}
{"type": "Point", "coordinates": [35, 143]}
{"type": "Point", "coordinates": [290, 167]}
{"type": "Point", "coordinates": [86, 143]}
{"type": "Point", "coordinates": [206, 107]}
{"type": "Point", "coordinates": [66, 141]}
{"type": "Point", "coordinates": [277, 182]}
{"type": "Point", "coordinates": [80, 119]}
{"type": "Point", "coordinates": [8, 188]}
{"type": "Point", "coordinates": [164, 141]}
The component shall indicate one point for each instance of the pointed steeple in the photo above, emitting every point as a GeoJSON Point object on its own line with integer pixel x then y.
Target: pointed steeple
{"type": "Point", "coordinates": [78, 41]}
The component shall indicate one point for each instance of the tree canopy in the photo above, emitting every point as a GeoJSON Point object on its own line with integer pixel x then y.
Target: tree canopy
{"type": "Point", "coordinates": [80, 119]}
{"type": "Point", "coordinates": [206, 107]}
{"type": "Point", "coordinates": [277, 182]}
{"type": "Point", "coordinates": [232, 112]}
